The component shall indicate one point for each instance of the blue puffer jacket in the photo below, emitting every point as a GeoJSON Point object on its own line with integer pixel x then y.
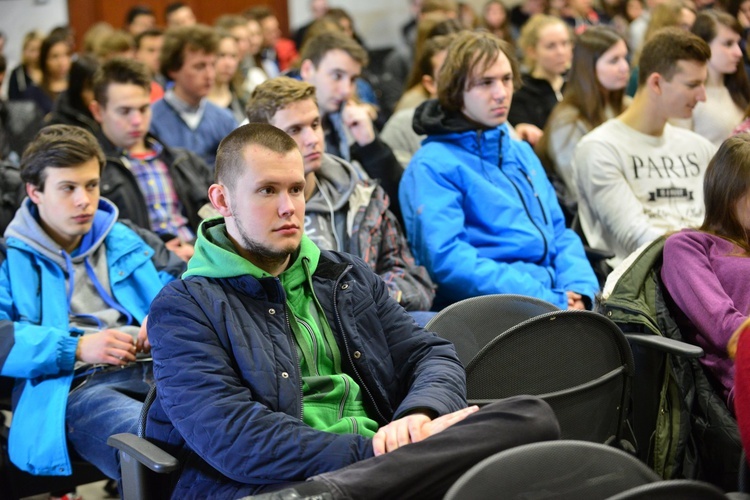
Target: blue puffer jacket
{"type": "Point", "coordinates": [229, 394]}
{"type": "Point", "coordinates": [36, 345]}
{"type": "Point", "coordinates": [482, 217]}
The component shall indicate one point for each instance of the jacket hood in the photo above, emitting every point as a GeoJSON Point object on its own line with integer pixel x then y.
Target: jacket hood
{"type": "Point", "coordinates": [430, 118]}
{"type": "Point", "coordinates": [216, 257]}
{"type": "Point", "coordinates": [25, 227]}
{"type": "Point", "coordinates": [336, 181]}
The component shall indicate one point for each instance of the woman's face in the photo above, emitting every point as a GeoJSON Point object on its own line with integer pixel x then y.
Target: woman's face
{"type": "Point", "coordinates": [227, 59]}
{"type": "Point", "coordinates": [742, 208]}
{"type": "Point", "coordinates": [58, 60]}
{"type": "Point", "coordinates": [31, 51]}
{"type": "Point", "coordinates": [725, 51]}
{"type": "Point", "coordinates": [553, 52]}
{"type": "Point", "coordinates": [495, 15]}
{"type": "Point", "coordinates": [612, 68]}
{"type": "Point", "coordinates": [254, 37]}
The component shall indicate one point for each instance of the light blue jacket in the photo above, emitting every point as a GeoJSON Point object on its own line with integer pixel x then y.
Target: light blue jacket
{"type": "Point", "coordinates": [482, 217]}
{"type": "Point", "coordinates": [37, 347]}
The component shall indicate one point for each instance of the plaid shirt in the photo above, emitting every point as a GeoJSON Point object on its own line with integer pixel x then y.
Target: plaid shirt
{"type": "Point", "coordinates": [164, 208]}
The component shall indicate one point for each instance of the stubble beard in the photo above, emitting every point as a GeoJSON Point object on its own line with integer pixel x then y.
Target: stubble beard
{"type": "Point", "coordinates": [266, 257]}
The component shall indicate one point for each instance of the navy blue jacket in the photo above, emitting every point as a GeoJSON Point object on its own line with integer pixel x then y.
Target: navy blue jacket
{"type": "Point", "coordinates": [229, 393]}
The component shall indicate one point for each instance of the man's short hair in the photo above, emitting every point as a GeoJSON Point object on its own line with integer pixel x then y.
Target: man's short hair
{"type": "Point", "coordinates": [116, 43]}
{"type": "Point", "coordinates": [316, 48]}
{"type": "Point", "coordinates": [199, 38]}
{"type": "Point", "coordinates": [468, 52]}
{"type": "Point", "coordinates": [138, 10]}
{"type": "Point", "coordinates": [119, 70]}
{"type": "Point", "coordinates": [227, 22]}
{"type": "Point", "coordinates": [58, 146]}
{"type": "Point", "coordinates": [259, 13]}
{"type": "Point", "coordinates": [230, 156]}
{"type": "Point", "coordinates": [666, 48]}
{"type": "Point", "coordinates": [149, 33]}
{"type": "Point", "coordinates": [171, 7]}
{"type": "Point", "coordinates": [275, 94]}
{"type": "Point", "coordinates": [438, 6]}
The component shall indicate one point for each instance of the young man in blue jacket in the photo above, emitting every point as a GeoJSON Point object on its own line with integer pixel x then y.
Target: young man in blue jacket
{"type": "Point", "coordinates": [75, 288]}
{"type": "Point", "coordinates": [278, 363]}
{"type": "Point", "coordinates": [478, 209]}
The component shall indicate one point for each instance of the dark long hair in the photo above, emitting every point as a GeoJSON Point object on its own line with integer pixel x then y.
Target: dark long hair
{"type": "Point", "coordinates": [48, 43]}
{"type": "Point", "coordinates": [727, 180]}
{"type": "Point", "coordinates": [583, 92]}
{"type": "Point", "coordinates": [706, 26]}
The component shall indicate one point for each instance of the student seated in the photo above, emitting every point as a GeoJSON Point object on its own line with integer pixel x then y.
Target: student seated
{"type": "Point", "coordinates": [480, 214]}
{"type": "Point", "coordinates": [75, 288]}
{"type": "Point", "coordinates": [279, 364]}
{"type": "Point", "coordinates": [706, 271]}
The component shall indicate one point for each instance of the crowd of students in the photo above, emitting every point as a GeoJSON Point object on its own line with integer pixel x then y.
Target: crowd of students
{"type": "Point", "coordinates": [369, 201]}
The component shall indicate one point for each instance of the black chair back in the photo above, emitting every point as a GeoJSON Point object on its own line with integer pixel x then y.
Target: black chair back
{"type": "Point", "coordinates": [472, 323]}
{"type": "Point", "coordinates": [577, 361]}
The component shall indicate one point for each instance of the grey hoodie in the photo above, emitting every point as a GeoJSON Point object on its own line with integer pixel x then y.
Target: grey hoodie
{"type": "Point", "coordinates": [327, 209]}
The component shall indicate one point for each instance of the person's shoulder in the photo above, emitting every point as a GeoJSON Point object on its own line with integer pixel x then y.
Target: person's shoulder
{"type": "Point", "coordinates": [220, 113]}
{"type": "Point", "coordinates": [688, 137]}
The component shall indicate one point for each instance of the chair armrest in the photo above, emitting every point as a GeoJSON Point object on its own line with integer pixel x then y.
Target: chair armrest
{"type": "Point", "coordinates": [664, 344]}
{"type": "Point", "coordinates": [144, 452]}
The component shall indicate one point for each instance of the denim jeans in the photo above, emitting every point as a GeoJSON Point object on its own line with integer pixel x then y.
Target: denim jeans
{"type": "Point", "coordinates": [106, 403]}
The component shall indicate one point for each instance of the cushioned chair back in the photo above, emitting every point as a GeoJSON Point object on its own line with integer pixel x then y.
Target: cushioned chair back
{"type": "Point", "coordinates": [559, 470]}
{"type": "Point", "coordinates": [472, 323]}
{"type": "Point", "coordinates": [682, 489]}
{"type": "Point", "coordinates": [577, 361]}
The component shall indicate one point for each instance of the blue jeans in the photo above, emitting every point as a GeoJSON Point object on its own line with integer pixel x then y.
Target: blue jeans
{"type": "Point", "coordinates": [106, 403]}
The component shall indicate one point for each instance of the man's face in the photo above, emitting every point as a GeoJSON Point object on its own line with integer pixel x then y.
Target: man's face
{"type": "Point", "coordinates": [301, 120]}
{"type": "Point", "coordinates": [194, 79]}
{"type": "Point", "coordinates": [267, 205]}
{"type": "Point", "coordinates": [148, 52]}
{"type": "Point", "coordinates": [181, 17]}
{"type": "Point", "coordinates": [141, 23]}
{"type": "Point", "coordinates": [126, 117]}
{"type": "Point", "coordinates": [488, 93]}
{"type": "Point", "coordinates": [334, 79]}
{"type": "Point", "coordinates": [68, 202]}
{"type": "Point", "coordinates": [685, 90]}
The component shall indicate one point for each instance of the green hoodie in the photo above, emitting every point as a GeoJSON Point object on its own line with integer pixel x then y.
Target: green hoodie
{"type": "Point", "coordinates": [332, 400]}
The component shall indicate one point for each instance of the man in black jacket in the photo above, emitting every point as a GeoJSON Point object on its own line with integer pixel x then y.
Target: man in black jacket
{"type": "Point", "coordinates": [157, 187]}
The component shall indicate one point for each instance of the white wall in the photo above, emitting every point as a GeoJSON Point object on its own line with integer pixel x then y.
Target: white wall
{"type": "Point", "coordinates": [377, 21]}
{"type": "Point", "coordinates": [20, 16]}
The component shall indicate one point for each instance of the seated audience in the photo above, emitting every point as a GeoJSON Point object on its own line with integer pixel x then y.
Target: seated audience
{"type": "Point", "coordinates": [495, 19]}
{"type": "Point", "coordinates": [179, 15]}
{"type": "Point", "coordinates": [596, 94]}
{"type": "Point", "coordinates": [343, 213]}
{"type": "Point", "coordinates": [73, 349]}
{"type": "Point", "coordinates": [139, 19]}
{"type": "Point", "coordinates": [155, 186]}
{"type": "Point", "coordinates": [315, 381]}
{"type": "Point", "coordinates": [184, 117]}
{"type": "Point", "coordinates": [228, 81]}
{"type": "Point", "coordinates": [332, 62]}
{"type": "Point", "coordinates": [727, 87]}
{"type": "Point", "coordinates": [480, 214]}
{"type": "Point", "coordinates": [547, 49]}
{"type": "Point", "coordinates": [147, 51]}
{"type": "Point", "coordinates": [398, 132]}
{"type": "Point", "coordinates": [29, 72]}
{"type": "Point", "coordinates": [72, 107]}
{"type": "Point", "coordinates": [639, 177]}
{"type": "Point", "coordinates": [277, 53]}
{"type": "Point", "coordinates": [54, 61]}
{"type": "Point", "coordinates": [711, 297]}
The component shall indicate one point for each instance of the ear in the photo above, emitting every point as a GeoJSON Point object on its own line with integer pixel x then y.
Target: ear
{"type": "Point", "coordinates": [429, 85]}
{"type": "Point", "coordinates": [96, 110]}
{"type": "Point", "coordinates": [32, 192]}
{"type": "Point", "coordinates": [307, 70]}
{"type": "Point", "coordinates": [219, 199]}
{"type": "Point", "coordinates": [655, 83]}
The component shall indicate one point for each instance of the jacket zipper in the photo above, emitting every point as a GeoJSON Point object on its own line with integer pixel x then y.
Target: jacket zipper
{"type": "Point", "coordinates": [346, 346]}
{"type": "Point", "coordinates": [290, 336]}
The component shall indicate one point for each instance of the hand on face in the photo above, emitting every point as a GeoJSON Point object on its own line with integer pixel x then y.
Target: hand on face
{"type": "Point", "coordinates": [358, 119]}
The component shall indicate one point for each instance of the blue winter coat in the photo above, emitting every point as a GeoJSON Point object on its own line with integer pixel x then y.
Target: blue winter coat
{"type": "Point", "coordinates": [229, 394]}
{"type": "Point", "coordinates": [38, 348]}
{"type": "Point", "coordinates": [482, 217]}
